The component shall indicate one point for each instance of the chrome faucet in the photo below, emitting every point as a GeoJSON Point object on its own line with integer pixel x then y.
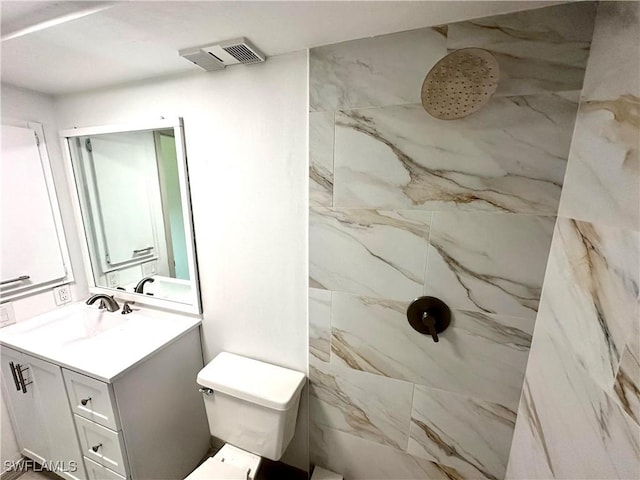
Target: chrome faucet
{"type": "Point", "coordinates": [106, 301]}
{"type": "Point", "coordinates": [140, 286]}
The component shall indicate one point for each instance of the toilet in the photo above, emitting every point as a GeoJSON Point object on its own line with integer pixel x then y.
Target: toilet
{"type": "Point", "coordinates": [252, 406]}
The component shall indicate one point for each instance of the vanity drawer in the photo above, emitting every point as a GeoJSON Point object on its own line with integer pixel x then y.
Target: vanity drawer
{"type": "Point", "coordinates": [102, 445]}
{"type": "Point", "coordinates": [91, 399]}
{"type": "Point", "coordinates": [95, 471]}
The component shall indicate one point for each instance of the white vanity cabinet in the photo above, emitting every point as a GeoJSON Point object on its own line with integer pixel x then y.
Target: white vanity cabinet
{"type": "Point", "coordinates": [148, 423]}
{"type": "Point", "coordinates": [123, 404]}
{"type": "Point", "coordinates": [37, 400]}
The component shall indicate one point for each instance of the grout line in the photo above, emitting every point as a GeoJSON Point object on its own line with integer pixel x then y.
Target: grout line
{"type": "Point", "coordinates": [426, 261]}
{"type": "Point", "coordinates": [413, 396]}
{"type": "Point", "coordinates": [330, 326]}
{"type": "Point", "coordinates": [333, 160]}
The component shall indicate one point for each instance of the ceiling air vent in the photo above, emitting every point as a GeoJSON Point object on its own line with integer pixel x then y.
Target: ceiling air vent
{"type": "Point", "coordinates": [243, 50]}
{"type": "Point", "coordinates": [223, 54]}
{"type": "Point", "coordinates": [204, 60]}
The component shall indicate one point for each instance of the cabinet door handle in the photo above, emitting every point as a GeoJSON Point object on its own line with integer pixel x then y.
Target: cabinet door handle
{"type": "Point", "coordinates": [21, 378]}
{"type": "Point", "coordinates": [96, 447]}
{"type": "Point", "coordinates": [15, 376]}
{"type": "Point", "coordinates": [84, 401]}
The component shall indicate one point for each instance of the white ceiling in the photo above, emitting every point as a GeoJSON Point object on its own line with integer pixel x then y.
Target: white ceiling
{"type": "Point", "coordinates": [63, 47]}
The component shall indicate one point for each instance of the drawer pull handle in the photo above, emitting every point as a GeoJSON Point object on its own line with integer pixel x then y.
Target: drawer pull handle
{"type": "Point", "coordinates": [95, 448]}
{"type": "Point", "coordinates": [84, 401]}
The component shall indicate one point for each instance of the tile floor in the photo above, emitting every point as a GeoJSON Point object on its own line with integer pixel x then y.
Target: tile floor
{"type": "Point", "coordinates": [33, 475]}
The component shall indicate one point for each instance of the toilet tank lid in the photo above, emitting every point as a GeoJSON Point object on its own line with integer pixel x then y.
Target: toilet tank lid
{"type": "Point", "coordinates": [251, 380]}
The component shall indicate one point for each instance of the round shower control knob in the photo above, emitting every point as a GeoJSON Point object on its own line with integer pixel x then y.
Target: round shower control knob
{"type": "Point", "coordinates": [429, 315]}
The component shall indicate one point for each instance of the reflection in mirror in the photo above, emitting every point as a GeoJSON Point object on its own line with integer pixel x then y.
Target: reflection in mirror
{"type": "Point", "coordinates": [132, 192]}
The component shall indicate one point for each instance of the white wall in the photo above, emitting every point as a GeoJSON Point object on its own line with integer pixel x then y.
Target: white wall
{"type": "Point", "coordinates": [18, 104]}
{"type": "Point", "coordinates": [246, 130]}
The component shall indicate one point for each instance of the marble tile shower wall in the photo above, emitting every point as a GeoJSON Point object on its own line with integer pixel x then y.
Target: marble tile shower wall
{"type": "Point", "coordinates": [579, 416]}
{"type": "Point", "coordinates": [404, 205]}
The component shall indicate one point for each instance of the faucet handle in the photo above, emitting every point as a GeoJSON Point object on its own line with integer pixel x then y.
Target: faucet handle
{"type": "Point", "coordinates": [126, 308]}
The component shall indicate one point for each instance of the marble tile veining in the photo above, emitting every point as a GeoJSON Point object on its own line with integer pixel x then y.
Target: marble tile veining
{"type": "Point", "coordinates": [627, 385]}
{"type": "Point", "coordinates": [602, 180]}
{"type": "Point", "coordinates": [399, 156]}
{"type": "Point", "coordinates": [614, 69]}
{"type": "Point", "coordinates": [370, 252]}
{"type": "Point", "coordinates": [403, 205]}
{"type": "Point", "coordinates": [359, 459]}
{"type": "Point", "coordinates": [321, 127]}
{"type": "Point", "coordinates": [602, 184]}
{"type": "Point", "coordinates": [567, 426]}
{"type": "Point", "coordinates": [479, 355]}
{"type": "Point", "coordinates": [320, 323]}
{"type": "Point", "coordinates": [365, 405]}
{"type": "Point", "coordinates": [591, 287]}
{"type": "Point", "coordinates": [384, 70]}
{"type": "Point", "coordinates": [461, 432]}
{"type": "Point", "coordinates": [537, 50]}
{"type": "Point", "coordinates": [491, 263]}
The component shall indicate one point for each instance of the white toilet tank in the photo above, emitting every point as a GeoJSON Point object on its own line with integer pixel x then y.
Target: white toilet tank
{"type": "Point", "coordinates": [254, 405]}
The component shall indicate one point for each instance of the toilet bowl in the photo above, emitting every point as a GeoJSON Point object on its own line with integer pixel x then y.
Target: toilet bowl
{"type": "Point", "coordinates": [253, 407]}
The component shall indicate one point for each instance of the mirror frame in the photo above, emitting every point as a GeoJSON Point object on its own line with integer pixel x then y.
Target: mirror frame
{"type": "Point", "coordinates": [175, 123]}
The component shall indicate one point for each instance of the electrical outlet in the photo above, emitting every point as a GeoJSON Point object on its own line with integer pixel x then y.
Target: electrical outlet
{"type": "Point", "coordinates": [62, 294]}
{"type": "Point", "coordinates": [149, 268]}
{"type": "Point", "coordinates": [113, 279]}
{"type": "Point", "coordinates": [7, 316]}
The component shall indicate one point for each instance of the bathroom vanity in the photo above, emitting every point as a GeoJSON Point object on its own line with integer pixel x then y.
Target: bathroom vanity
{"type": "Point", "coordinates": [99, 395]}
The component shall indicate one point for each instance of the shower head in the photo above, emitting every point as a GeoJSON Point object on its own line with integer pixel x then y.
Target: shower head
{"type": "Point", "coordinates": [460, 83]}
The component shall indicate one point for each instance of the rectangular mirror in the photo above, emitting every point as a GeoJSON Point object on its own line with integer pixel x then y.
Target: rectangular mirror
{"type": "Point", "coordinates": [133, 203]}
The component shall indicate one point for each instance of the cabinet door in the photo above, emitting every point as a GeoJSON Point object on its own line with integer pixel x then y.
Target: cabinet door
{"type": "Point", "coordinates": [32, 438]}
{"type": "Point", "coordinates": [31, 251]}
{"type": "Point", "coordinates": [42, 415]}
{"type": "Point", "coordinates": [53, 409]}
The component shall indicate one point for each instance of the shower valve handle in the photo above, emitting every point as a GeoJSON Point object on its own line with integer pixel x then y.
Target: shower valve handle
{"type": "Point", "coordinates": [429, 315]}
{"type": "Point", "coordinates": [430, 323]}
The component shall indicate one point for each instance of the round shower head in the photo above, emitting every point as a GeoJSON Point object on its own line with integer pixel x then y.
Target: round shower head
{"type": "Point", "coordinates": [460, 83]}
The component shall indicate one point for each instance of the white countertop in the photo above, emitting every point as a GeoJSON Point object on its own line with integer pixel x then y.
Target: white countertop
{"type": "Point", "coordinates": [97, 343]}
